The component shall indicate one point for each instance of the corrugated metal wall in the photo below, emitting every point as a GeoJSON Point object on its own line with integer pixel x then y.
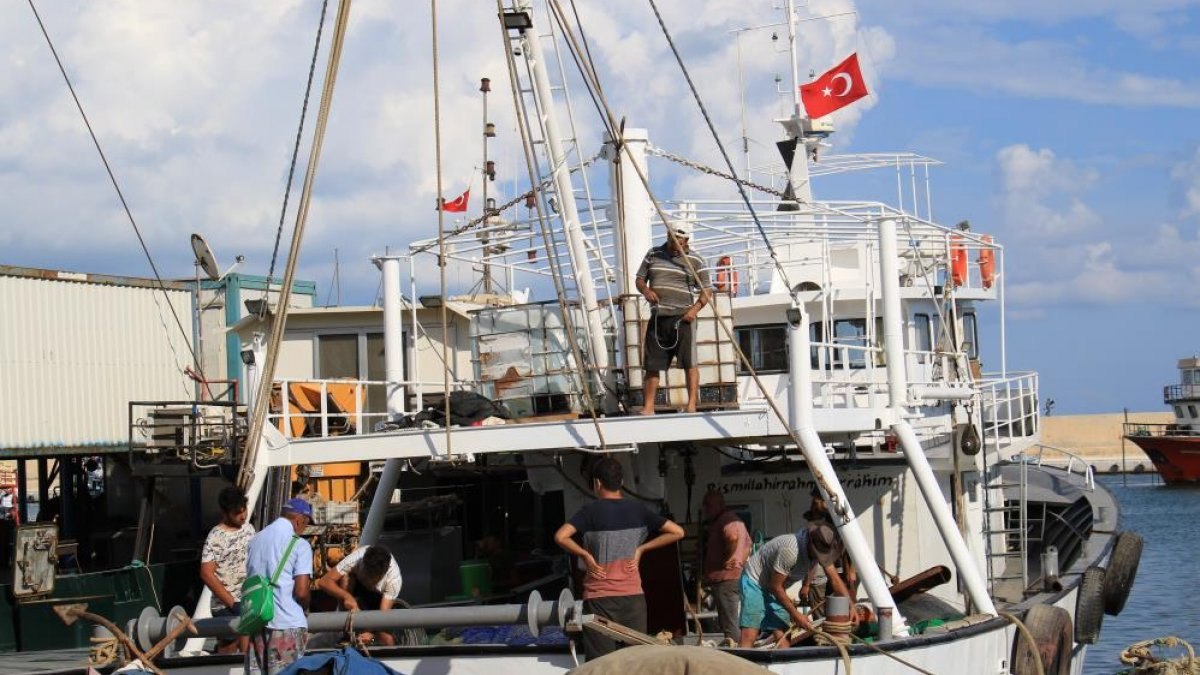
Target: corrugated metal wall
{"type": "Point", "coordinates": [73, 354]}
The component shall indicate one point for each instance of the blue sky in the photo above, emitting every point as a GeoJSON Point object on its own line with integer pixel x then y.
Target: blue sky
{"type": "Point", "coordinates": [1068, 130]}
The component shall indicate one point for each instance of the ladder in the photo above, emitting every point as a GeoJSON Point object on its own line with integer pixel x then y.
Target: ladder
{"type": "Point", "coordinates": [530, 111]}
{"type": "Point", "coordinates": [1007, 559]}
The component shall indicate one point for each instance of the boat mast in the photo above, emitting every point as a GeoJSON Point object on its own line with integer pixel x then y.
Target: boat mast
{"type": "Point", "coordinates": [795, 126]}
{"type": "Point", "coordinates": [393, 366]}
{"type": "Point", "coordinates": [576, 244]}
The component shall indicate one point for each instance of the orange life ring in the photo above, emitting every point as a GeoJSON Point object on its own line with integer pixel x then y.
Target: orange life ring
{"type": "Point", "coordinates": [987, 262]}
{"type": "Point", "coordinates": [958, 261]}
{"type": "Point", "coordinates": [727, 276]}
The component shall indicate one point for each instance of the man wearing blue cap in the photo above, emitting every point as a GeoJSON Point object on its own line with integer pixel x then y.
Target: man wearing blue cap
{"type": "Point", "coordinates": [279, 547]}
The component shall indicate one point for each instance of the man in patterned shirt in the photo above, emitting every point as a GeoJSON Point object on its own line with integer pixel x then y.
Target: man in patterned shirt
{"type": "Point", "coordinates": [223, 561]}
{"type": "Point", "coordinates": [615, 533]}
{"type": "Point", "coordinates": [674, 281]}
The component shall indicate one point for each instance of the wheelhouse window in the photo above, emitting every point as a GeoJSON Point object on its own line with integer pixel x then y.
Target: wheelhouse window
{"type": "Point", "coordinates": [765, 347]}
{"type": "Point", "coordinates": [337, 356]}
{"type": "Point", "coordinates": [356, 356]}
{"type": "Point", "coordinates": [1179, 411]}
{"type": "Point", "coordinates": [1192, 411]}
{"type": "Point", "coordinates": [970, 335]}
{"type": "Point", "coordinates": [923, 343]}
{"type": "Point", "coordinates": [851, 342]}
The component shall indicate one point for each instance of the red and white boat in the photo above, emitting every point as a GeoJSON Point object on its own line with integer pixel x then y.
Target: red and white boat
{"type": "Point", "coordinates": [1175, 448]}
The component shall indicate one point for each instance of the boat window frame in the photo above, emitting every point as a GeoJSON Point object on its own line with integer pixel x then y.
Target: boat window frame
{"type": "Point", "coordinates": [970, 326]}
{"type": "Point", "coordinates": [754, 350]}
{"type": "Point", "coordinates": [923, 341]}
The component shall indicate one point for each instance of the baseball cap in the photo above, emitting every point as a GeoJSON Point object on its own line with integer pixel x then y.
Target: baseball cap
{"type": "Point", "coordinates": [824, 543]}
{"type": "Point", "coordinates": [681, 228]}
{"type": "Point", "coordinates": [300, 506]}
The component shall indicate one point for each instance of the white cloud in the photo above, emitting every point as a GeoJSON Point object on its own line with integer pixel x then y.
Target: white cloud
{"type": "Point", "coordinates": [1187, 175]}
{"type": "Point", "coordinates": [1040, 193]}
{"type": "Point", "coordinates": [196, 105]}
{"type": "Point", "coordinates": [1068, 255]}
{"type": "Point", "coordinates": [1098, 279]}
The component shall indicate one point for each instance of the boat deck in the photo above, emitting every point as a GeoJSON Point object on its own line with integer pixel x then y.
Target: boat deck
{"type": "Point", "coordinates": [56, 661]}
{"type": "Point", "coordinates": [601, 434]}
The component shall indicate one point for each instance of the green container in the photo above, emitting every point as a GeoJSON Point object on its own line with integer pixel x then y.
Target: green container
{"type": "Point", "coordinates": [476, 578]}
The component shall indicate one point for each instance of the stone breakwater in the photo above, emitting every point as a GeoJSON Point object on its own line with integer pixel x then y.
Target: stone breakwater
{"type": "Point", "coordinates": [1097, 438]}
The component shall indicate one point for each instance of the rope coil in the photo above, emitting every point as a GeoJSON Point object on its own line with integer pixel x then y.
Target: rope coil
{"type": "Point", "coordinates": [1143, 660]}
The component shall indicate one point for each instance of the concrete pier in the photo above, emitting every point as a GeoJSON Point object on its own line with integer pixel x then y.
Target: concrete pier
{"type": "Point", "coordinates": [1097, 438]}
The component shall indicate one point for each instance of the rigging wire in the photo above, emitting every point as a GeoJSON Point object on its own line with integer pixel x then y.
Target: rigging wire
{"type": "Point", "coordinates": [547, 236]}
{"type": "Point", "coordinates": [246, 473]}
{"type": "Point", "coordinates": [721, 146]}
{"type": "Point", "coordinates": [726, 328]}
{"type": "Point", "coordinates": [287, 190]}
{"type": "Point", "coordinates": [187, 337]}
{"type": "Point", "coordinates": [441, 216]}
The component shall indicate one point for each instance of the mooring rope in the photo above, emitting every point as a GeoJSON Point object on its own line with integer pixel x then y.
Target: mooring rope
{"type": "Point", "coordinates": [1033, 645]}
{"type": "Point", "coordinates": [1143, 660]}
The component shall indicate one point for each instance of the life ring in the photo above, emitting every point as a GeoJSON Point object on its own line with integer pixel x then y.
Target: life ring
{"type": "Point", "coordinates": [1122, 568]}
{"type": "Point", "coordinates": [727, 276]}
{"type": "Point", "coordinates": [987, 262]}
{"type": "Point", "coordinates": [1050, 627]}
{"type": "Point", "coordinates": [958, 261]}
{"type": "Point", "coordinates": [1089, 605]}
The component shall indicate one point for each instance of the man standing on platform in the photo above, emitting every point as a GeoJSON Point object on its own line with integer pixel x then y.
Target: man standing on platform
{"type": "Point", "coordinates": [615, 533]}
{"type": "Point", "coordinates": [675, 282]}
{"type": "Point", "coordinates": [726, 549]}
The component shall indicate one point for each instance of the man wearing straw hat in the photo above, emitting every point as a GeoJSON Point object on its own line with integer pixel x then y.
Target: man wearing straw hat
{"type": "Point", "coordinates": [765, 602]}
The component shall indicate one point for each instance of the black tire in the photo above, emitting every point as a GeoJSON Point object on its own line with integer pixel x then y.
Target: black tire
{"type": "Point", "coordinates": [1089, 605]}
{"type": "Point", "coordinates": [1051, 630]}
{"type": "Point", "coordinates": [1122, 569]}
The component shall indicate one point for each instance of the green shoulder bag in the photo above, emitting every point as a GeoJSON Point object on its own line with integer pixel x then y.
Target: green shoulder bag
{"type": "Point", "coordinates": [258, 598]}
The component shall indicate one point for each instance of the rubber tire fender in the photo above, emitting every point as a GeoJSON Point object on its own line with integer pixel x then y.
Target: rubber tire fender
{"type": "Point", "coordinates": [1051, 630]}
{"type": "Point", "coordinates": [1122, 569]}
{"type": "Point", "coordinates": [1089, 605]}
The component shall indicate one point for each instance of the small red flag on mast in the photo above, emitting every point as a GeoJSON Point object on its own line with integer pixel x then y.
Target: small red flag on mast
{"type": "Point", "coordinates": [458, 204]}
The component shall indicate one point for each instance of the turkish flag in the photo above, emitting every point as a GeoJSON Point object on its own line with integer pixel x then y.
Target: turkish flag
{"type": "Point", "coordinates": [457, 205]}
{"type": "Point", "coordinates": [840, 86]}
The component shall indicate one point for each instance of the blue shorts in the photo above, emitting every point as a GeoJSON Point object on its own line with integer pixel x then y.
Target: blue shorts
{"type": "Point", "coordinates": [760, 609]}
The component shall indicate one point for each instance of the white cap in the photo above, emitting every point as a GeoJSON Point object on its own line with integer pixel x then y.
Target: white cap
{"type": "Point", "coordinates": [682, 228]}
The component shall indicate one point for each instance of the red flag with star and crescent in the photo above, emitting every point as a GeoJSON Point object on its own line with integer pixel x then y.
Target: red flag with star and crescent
{"type": "Point", "coordinates": [458, 204]}
{"type": "Point", "coordinates": [840, 86]}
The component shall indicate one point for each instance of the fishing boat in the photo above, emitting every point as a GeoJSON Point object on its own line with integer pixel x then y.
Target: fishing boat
{"type": "Point", "coordinates": [1175, 448]}
{"type": "Point", "coordinates": [842, 353]}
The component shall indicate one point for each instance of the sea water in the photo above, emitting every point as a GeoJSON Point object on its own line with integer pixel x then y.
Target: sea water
{"type": "Point", "coordinates": [1166, 594]}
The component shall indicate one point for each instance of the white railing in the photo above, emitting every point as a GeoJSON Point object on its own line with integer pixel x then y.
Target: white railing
{"type": "Point", "coordinates": [1010, 406]}
{"type": "Point", "coordinates": [323, 422]}
{"type": "Point", "coordinates": [848, 373]}
{"type": "Point", "coordinates": [1037, 457]}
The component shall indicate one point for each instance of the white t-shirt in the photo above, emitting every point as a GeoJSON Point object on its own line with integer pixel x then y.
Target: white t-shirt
{"type": "Point", "coordinates": [388, 586]}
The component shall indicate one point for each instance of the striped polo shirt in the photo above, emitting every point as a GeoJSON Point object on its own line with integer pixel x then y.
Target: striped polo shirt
{"type": "Point", "coordinates": [668, 275]}
{"type": "Point", "coordinates": [611, 530]}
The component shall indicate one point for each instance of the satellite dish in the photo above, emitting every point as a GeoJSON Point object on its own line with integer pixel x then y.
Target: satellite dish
{"type": "Point", "coordinates": [205, 258]}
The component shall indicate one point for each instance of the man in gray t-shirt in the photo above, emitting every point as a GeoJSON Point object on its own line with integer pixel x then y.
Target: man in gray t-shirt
{"type": "Point", "coordinates": [675, 283]}
{"type": "Point", "coordinates": [765, 602]}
